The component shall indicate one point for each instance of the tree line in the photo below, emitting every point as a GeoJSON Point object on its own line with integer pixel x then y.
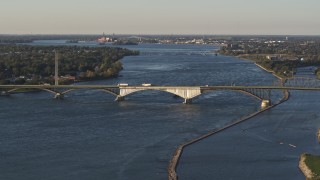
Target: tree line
{"type": "Point", "coordinates": [35, 64]}
{"type": "Point", "coordinates": [282, 57]}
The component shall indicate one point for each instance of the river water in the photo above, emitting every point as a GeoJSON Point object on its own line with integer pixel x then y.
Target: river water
{"type": "Point", "coordinates": [89, 136]}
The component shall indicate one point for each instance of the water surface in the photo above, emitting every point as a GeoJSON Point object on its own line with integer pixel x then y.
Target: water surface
{"type": "Point", "coordinates": [89, 136]}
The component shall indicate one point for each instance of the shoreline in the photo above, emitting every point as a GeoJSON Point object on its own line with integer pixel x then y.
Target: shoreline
{"type": "Point", "coordinates": [267, 70]}
{"type": "Point", "coordinates": [255, 62]}
{"type": "Point", "coordinates": [172, 167]}
{"type": "Point", "coordinates": [304, 168]}
{"type": "Point", "coordinates": [307, 163]}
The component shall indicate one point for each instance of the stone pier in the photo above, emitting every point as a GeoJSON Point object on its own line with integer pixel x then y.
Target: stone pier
{"type": "Point", "coordinates": [119, 98]}
{"type": "Point", "coordinates": [58, 96]}
{"type": "Point", "coordinates": [187, 101]}
{"type": "Point", "coordinates": [4, 93]}
{"type": "Point", "coordinates": [265, 104]}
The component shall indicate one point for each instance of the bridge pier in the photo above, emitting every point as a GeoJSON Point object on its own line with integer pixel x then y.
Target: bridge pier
{"type": "Point", "coordinates": [119, 98]}
{"type": "Point", "coordinates": [4, 93]}
{"type": "Point", "coordinates": [265, 103]}
{"type": "Point", "coordinates": [58, 96]}
{"type": "Point", "coordinates": [187, 101]}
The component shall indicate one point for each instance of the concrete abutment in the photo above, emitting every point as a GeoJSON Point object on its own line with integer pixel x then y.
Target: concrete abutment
{"type": "Point", "coordinates": [4, 93]}
{"type": "Point", "coordinates": [265, 104]}
{"type": "Point", "coordinates": [119, 98]}
{"type": "Point", "coordinates": [187, 101]}
{"type": "Point", "coordinates": [58, 96]}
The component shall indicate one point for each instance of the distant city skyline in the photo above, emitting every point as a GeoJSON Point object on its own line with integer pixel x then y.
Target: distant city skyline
{"type": "Point", "coordinates": [237, 17]}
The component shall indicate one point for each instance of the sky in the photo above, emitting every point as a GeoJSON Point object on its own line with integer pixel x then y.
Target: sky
{"type": "Point", "coordinates": [216, 17]}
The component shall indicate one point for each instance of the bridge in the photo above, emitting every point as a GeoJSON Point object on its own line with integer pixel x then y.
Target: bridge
{"type": "Point", "coordinates": [262, 93]}
{"type": "Point", "coordinates": [187, 93]}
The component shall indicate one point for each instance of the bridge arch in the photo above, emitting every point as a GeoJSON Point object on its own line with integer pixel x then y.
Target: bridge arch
{"type": "Point", "coordinates": [235, 90]}
{"type": "Point", "coordinates": [59, 94]}
{"type": "Point", "coordinates": [104, 90]}
{"type": "Point", "coordinates": [185, 93]}
{"type": "Point", "coordinates": [126, 93]}
{"type": "Point", "coordinates": [43, 89]}
{"type": "Point", "coordinates": [265, 101]}
{"type": "Point", "coordinates": [250, 94]}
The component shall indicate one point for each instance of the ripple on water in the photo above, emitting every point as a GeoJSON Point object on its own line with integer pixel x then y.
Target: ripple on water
{"type": "Point", "coordinates": [89, 136]}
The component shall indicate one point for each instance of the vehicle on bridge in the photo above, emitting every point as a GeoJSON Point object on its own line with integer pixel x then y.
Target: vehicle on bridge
{"type": "Point", "coordinates": [123, 84]}
{"type": "Point", "coordinates": [146, 84]}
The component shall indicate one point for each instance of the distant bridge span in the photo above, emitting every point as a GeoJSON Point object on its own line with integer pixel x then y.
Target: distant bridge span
{"type": "Point", "coordinates": [186, 92]}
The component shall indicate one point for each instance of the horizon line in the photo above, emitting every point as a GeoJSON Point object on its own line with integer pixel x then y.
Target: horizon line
{"type": "Point", "coordinates": [159, 34]}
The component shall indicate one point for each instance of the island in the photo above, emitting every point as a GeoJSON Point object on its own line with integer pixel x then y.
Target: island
{"type": "Point", "coordinates": [25, 64]}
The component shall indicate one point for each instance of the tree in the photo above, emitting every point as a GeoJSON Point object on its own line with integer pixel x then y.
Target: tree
{"type": "Point", "coordinates": [86, 62]}
{"type": "Point", "coordinates": [90, 74]}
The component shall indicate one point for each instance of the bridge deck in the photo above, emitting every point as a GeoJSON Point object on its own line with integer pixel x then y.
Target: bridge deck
{"type": "Point", "coordinates": [154, 87]}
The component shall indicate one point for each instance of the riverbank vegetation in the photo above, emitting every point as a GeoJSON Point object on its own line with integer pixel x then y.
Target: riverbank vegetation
{"type": "Point", "coordinates": [317, 72]}
{"type": "Point", "coordinates": [23, 64]}
{"type": "Point", "coordinates": [281, 56]}
{"type": "Point", "coordinates": [310, 166]}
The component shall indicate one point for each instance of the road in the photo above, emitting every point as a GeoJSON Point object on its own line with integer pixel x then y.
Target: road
{"type": "Point", "coordinates": [155, 87]}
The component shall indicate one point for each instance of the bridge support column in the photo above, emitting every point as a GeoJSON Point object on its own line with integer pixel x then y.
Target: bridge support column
{"type": "Point", "coordinates": [265, 104]}
{"type": "Point", "coordinates": [119, 98]}
{"type": "Point", "coordinates": [58, 96]}
{"type": "Point", "coordinates": [4, 93]}
{"type": "Point", "coordinates": [187, 101]}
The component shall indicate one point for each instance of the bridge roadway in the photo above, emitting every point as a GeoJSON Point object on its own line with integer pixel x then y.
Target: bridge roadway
{"type": "Point", "coordinates": [186, 92]}
{"type": "Point", "coordinates": [154, 87]}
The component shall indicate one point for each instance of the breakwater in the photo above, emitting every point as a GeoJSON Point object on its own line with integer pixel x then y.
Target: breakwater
{"type": "Point", "coordinates": [172, 174]}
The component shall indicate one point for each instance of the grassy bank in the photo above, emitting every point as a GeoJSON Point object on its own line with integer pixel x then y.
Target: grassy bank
{"type": "Point", "coordinates": [281, 69]}
{"type": "Point", "coordinates": [310, 166]}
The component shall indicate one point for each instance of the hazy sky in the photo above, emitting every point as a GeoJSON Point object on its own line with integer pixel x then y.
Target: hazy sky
{"type": "Point", "coordinates": [285, 17]}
